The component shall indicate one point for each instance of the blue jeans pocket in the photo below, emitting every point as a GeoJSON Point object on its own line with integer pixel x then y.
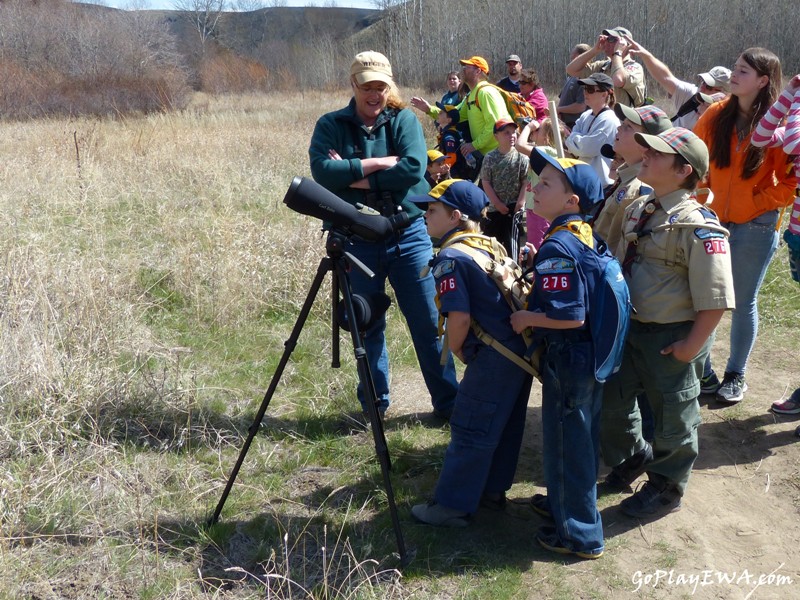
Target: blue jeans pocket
{"type": "Point", "coordinates": [576, 373]}
{"type": "Point", "coordinates": [767, 219]}
{"type": "Point", "coordinates": [472, 415]}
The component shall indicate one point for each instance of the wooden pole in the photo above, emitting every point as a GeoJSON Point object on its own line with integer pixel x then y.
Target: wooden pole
{"type": "Point", "coordinates": [556, 129]}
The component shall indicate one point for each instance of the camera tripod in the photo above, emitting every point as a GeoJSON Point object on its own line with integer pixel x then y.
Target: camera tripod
{"type": "Point", "coordinates": [336, 262]}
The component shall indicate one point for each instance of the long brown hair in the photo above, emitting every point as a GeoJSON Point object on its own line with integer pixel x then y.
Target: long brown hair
{"type": "Point", "coordinates": [724, 127]}
{"type": "Point", "coordinates": [394, 100]}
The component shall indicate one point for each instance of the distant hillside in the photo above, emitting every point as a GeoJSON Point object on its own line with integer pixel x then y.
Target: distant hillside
{"type": "Point", "coordinates": [298, 46]}
{"type": "Point", "coordinates": [243, 31]}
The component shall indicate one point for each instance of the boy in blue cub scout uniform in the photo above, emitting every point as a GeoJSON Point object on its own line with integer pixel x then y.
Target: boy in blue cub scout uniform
{"type": "Point", "coordinates": [678, 268]}
{"type": "Point", "coordinates": [558, 311]}
{"type": "Point", "coordinates": [488, 419]}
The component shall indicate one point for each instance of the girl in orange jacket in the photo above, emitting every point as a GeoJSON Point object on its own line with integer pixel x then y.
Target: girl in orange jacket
{"type": "Point", "coordinates": [750, 186]}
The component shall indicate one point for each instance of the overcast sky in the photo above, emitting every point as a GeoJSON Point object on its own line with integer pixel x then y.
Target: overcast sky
{"type": "Point", "coordinates": [170, 4]}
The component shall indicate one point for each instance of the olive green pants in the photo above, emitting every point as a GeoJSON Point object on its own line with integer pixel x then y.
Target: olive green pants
{"type": "Point", "coordinates": [672, 388]}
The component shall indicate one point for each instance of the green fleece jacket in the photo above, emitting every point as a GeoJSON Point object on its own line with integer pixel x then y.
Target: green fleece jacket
{"type": "Point", "coordinates": [395, 133]}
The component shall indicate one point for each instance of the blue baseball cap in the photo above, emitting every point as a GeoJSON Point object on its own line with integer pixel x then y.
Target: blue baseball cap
{"type": "Point", "coordinates": [452, 111]}
{"type": "Point", "coordinates": [581, 177]}
{"type": "Point", "coordinates": [456, 193]}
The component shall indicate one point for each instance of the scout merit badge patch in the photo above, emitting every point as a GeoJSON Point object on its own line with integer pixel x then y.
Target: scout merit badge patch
{"type": "Point", "coordinates": [446, 284]}
{"type": "Point", "coordinates": [555, 274]}
{"type": "Point", "coordinates": [713, 241]}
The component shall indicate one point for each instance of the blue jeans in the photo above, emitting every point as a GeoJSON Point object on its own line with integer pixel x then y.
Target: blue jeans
{"type": "Point", "coordinates": [571, 403]}
{"type": "Point", "coordinates": [485, 429]}
{"type": "Point", "coordinates": [752, 246]}
{"type": "Point", "coordinates": [400, 258]}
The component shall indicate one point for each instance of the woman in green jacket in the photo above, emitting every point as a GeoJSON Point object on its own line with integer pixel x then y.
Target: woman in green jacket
{"type": "Point", "coordinates": [373, 152]}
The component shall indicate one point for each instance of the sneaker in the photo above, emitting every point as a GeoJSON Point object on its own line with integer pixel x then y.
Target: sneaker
{"type": "Point", "coordinates": [732, 388]}
{"type": "Point", "coordinates": [623, 475]}
{"type": "Point", "coordinates": [442, 414]}
{"type": "Point", "coordinates": [548, 539]}
{"type": "Point", "coordinates": [652, 501]}
{"type": "Point", "coordinates": [494, 501]}
{"type": "Point", "coordinates": [709, 384]}
{"type": "Point", "coordinates": [435, 514]}
{"type": "Point", "coordinates": [541, 506]}
{"type": "Point", "coordinates": [790, 406]}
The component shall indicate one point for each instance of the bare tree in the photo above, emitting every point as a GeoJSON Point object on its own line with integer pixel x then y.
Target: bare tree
{"type": "Point", "coordinates": [205, 16]}
{"type": "Point", "coordinates": [249, 5]}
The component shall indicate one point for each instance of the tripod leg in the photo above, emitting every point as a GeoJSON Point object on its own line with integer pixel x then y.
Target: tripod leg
{"type": "Point", "coordinates": [335, 362]}
{"type": "Point", "coordinates": [325, 265]}
{"type": "Point", "coordinates": [365, 377]}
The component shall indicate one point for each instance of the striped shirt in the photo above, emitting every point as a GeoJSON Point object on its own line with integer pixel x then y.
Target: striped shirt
{"type": "Point", "coordinates": [768, 134]}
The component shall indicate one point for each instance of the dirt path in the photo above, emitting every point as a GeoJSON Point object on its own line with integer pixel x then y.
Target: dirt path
{"type": "Point", "coordinates": [737, 534]}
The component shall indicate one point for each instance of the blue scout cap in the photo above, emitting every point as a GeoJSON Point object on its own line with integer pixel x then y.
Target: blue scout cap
{"type": "Point", "coordinates": [452, 111]}
{"type": "Point", "coordinates": [581, 177]}
{"type": "Point", "coordinates": [457, 193]}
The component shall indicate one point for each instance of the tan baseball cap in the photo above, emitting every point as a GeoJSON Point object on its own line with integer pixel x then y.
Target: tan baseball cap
{"type": "Point", "coordinates": [717, 77]}
{"type": "Point", "coordinates": [371, 66]}
{"type": "Point", "coordinates": [617, 32]}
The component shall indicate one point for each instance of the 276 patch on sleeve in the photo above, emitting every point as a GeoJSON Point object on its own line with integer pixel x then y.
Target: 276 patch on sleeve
{"type": "Point", "coordinates": [448, 284]}
{"type": "Point", "coordinates": [555, 283]}
{"type": "Point", "coordinates": [715, 246]}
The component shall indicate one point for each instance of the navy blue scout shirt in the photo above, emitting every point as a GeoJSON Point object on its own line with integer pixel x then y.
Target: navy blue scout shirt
{"type": "Point", "coordinates": [559, 289]}
{"type": "Point", "coordinates": [465, 287]}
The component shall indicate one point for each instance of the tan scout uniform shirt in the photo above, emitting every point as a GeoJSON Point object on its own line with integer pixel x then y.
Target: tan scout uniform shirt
{"type": "Point", "coordinates": [608, 224]}
{"type": "Point", "coordinates": [630, 94]}
{"type": "Point", "coordinates": [701, 277]}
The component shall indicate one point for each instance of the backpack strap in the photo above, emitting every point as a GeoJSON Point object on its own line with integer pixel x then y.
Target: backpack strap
{"type": "Point", "coordinates": [689, 106]}
{"type": "Point", "coordinates": [487, 339]}
{"type": "Point", "coordinates": [678, 223]}
{"type": "Point", "coordinates": [490, 263]}
{"type": "Point", "coordinates": [491, 257]}
{"type": "Point", "coordinates": [478, 88]}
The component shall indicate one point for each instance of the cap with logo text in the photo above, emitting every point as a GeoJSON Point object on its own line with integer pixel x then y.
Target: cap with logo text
{"type": "Point", "coordinates": [371, 66]}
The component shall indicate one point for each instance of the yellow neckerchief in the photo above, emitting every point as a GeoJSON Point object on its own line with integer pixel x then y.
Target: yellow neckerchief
{"type": "Point", "coordinates": [578, 227]}
{"type": "Point", "coordinates": [472, 239]}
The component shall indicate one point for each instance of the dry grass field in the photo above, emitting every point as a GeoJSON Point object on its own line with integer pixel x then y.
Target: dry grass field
{"type": "Point", "coordinates": [150, 276]}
